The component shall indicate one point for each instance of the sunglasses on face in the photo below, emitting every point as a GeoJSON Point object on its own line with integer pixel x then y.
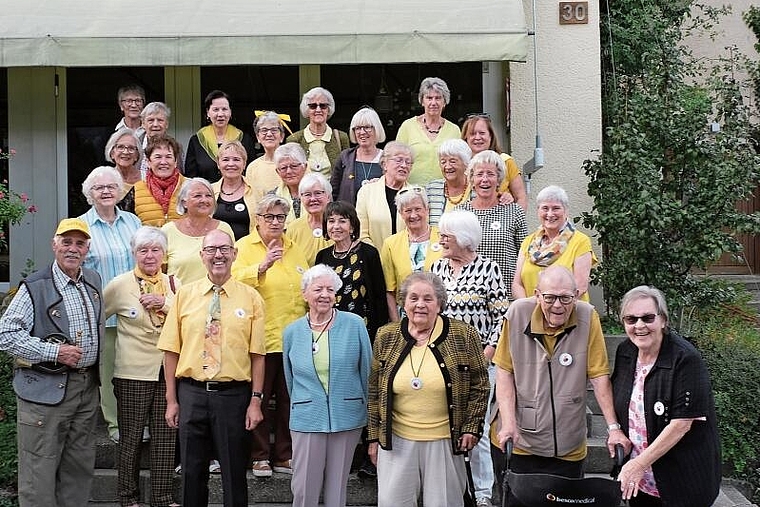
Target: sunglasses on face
{"type": "Point", "coordinates": [485, 116]}
{"type": "Point", "coordinates": [647, 318]}
{"type": "Point", "coordinates": [315, 105]}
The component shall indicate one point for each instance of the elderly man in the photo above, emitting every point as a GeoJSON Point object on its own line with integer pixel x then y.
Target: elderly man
{"type": "Point", "coordinates": [551, 344]}
{"type": "Point", "coordinates": [131, 102]}
{"type": "Point", "coordinates": [56, 445]}
{"type": "Point", "coordinates": [213, 343]}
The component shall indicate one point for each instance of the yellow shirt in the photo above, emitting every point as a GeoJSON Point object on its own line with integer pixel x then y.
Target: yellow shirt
{"type": "Point", "coordinates": [309, 241]}
{"type": "Point", "coordinates": [578, 245]}
{"type": "Point", "coordinates": [280, 286]}
{"type": "Point", "coordinates": [597, 365]}
{"type": "Point", "coordinates": [425, 167]}
{"type": "Point", "coordinates": [242, 329]}
{"type": "Point", "coordinates": [183, 255]}
{"type": "Point", "coordinates": [262, 175]}
{"type": "Point", "coordinates": [397, 264]}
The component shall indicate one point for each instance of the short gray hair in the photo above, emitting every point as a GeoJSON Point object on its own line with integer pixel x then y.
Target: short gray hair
{"type": "Point", "coordinates": [487, 157]}
{"type": "Point", "coordinates": [367, 116]}
{"type": "Point", "coordinates": [425, 277]}
{"type": "Point", "coordinates": [643, 292]}
{"type": "Point", "coordinates": [464, 226]}
{"type": "Point", "coordinates": [406, 196]}
{"type": "Point", "coordinates": [456, 148]}
{"type": "Point", "coordinates": [266, 118]}
{"type": "Point", "coordinates": [114, 139]}
{"type": "Point", "coordinates": [269, 201]}
{"type": "Point", "coordinates": [293, 151]}
{"type": "Point", "coordinates": [181, 208]}
{"type": "Point", "coordinates": [156, 107]}
{"type": "Point", "coordinates": [311, 179]}
{"type": "Point", "coordinates": [553, 193]}
{"type": "Point", "coordinates": [103, 170]}
{"type": "Point", "coordinates": [310, 96]}
{"type": "Point", "coordinates": [436, 84]}
{"type": "Point", "coordinates": [148, 235]}
{"type": "Point", "coordinates": [317, 271]}
{"type": "Point", "coordinates": [393, 148]}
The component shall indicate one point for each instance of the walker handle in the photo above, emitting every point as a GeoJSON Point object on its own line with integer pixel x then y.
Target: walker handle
{"type": "Point", "coordinates": [619, 460]}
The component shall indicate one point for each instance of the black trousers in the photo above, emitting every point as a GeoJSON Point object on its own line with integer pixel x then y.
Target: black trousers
{"type": "Point", "coordinates": [214, 422]}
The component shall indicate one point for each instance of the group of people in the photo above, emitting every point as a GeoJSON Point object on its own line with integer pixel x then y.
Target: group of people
{"type": "Point", "coordinates": [326, 294]}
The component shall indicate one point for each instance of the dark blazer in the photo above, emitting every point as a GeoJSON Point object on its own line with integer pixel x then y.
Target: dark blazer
{"type": "Point", "coordinates": [689, 474]}
{"type": "Point", "coordinates": [199, 164]}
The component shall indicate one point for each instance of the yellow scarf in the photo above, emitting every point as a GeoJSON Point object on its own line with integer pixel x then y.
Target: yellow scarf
{"type": "Point", "coordinates": [207, 138]}
{"type": "Point", "coordinates": [150, 284]}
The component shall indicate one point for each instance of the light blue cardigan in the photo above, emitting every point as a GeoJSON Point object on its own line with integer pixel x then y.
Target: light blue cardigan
{"type": "Point", "coordinates": [311, 409]}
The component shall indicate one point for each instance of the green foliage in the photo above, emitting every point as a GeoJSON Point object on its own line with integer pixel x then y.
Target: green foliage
{"type": "Point", "coordinates": [665, 187]}
{"type": "Point", "coordinates": [730, 346]}
{"type": "Point", "coordinates": [8, 468]}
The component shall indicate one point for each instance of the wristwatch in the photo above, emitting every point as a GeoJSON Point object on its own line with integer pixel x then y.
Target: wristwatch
{"type": "Point", "coordinates": [613, 427]}
{"type": "Point", "coordinates": [260, 395]}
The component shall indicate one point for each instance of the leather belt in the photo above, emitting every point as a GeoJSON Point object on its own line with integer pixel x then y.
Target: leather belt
{"type": "Point", "coordinates": [213, 386]}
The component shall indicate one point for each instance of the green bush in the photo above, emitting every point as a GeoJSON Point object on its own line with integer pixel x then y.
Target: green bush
{"type": "Point", "coordinates": [8, 455]}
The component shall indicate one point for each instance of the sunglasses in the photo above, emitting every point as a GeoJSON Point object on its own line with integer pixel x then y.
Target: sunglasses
{"type": "Point", "coordinates": [320, 105]}
{"type": "Point", "coordinates": [633, 319]}
{"type": "Point", "coordinates": [413, 188]}
{"type": "Point", "coordinates": [485, 116]}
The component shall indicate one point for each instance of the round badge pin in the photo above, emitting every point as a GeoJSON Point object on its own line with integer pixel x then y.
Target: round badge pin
{"type": "Point", "coordinates": [495, 225]}
{"type": "Point", "coordinates": [435, 247]}
{"type": "Point", "coordinates": [565, 359]}
{"type": "Point", "coordinates": [314, 348]}
{"type": "Point", "coordinates": [317, 233]}
{"type": "Point", "coordinates": [659, 408]}
{"type": "Point", "coordinates": [240, 207]}
{"type": "Point", "coordinates": [416, 383]}
{"type": "Point", "coordinates": [240, 313]}
{"type": "Point", "coordinates": [133, 313]}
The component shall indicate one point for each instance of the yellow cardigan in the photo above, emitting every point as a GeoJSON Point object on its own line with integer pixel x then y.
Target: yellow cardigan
{"type": "Point", "coordinates": [374, 214]}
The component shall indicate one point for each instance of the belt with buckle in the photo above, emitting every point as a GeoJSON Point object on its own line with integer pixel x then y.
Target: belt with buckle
{"type": "Point", "coordinates": [86, 369]}
{"type": "Point", "coordinates": [213, 386]}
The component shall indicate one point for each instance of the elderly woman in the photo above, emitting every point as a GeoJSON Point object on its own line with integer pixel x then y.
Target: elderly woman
{"type": "Point", "coordinates": [272, 264]}
{"type": "Point", "coordinates": [235, 197]}
{"type": "Point", "coordinates": [155, 121]}
{"type": "Point", "coordinates": [376, 201]}
{"type": "Point", "coordinates": [270, 132]}
{"type": "Point", "coordinates": [664, 403]}
{"type": "Point", "coordinates": [123, 149]}
{"type": "Point", "coordinates": [139, 300]}
{"type": "Point", "coordinates": [454, 188]}
{"type": "Point", "coordinates": [423, 414]}
{"type": "Point", "coordinates": [426, 132]}
{"type": "Point", "coordinates": [326, 357]}
{"type": "Point", "coordinates": [415, 248]}
{"type": "Point", "coordinates": [556, 242]}
{"type": "Point", "coordinates": [290, 161]}
{"type": "Point", "coordinates": [321, 143]}
{"type": "Point", "coordinates": [203, 147]}
{"type": "Point", "coordinates": [307, 232]}
{"type": "Point", "coordinates": [156, 196]}
{"type": "Point", "coordinates": [358, 266]}
{"type": "Point", "coordinates": [359, 165]}
{"type": "Point", "coordinates": [477, 295]}
{"type": "Point", "coordinates": [110, 255]}
{"type": "Point", "coordinates": [195, 207]}
{"type": "Point", "coordinates": [503, 225]}
{"type": "Point", "coordinates": [479, 133]}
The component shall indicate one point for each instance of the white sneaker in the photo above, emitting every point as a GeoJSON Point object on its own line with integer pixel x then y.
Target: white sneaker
{"type": "Point", "coordinates": [214, 467]}
{"type": "Point", "coordinates": [483, 502]}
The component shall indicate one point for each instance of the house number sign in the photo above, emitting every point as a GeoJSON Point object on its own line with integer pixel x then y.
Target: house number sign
{"type": "Point", "coordinates": [573, 13]}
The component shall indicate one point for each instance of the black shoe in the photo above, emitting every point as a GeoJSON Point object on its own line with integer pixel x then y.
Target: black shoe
{"type": "Point", "coordinates": [367, 470]}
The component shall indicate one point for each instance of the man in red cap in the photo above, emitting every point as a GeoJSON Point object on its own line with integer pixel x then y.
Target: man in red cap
{"type": "Point", "coordinates": [56, 448]}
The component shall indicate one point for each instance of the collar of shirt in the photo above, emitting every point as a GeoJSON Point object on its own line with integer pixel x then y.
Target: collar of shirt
{"type": "Point", "coordinates": [309, 137]}
{"type": "Point", "coordinates": [61, 279]}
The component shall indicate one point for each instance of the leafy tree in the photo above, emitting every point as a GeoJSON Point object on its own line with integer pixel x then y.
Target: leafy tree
{"type": "Point", "coordinates": [666, 185]}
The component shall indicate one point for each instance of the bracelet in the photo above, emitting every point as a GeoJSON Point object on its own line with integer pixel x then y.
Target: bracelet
{"type": "Point", "coordinates": [257, 394]}
{"type": "Point", "coordinates": [612, 427]}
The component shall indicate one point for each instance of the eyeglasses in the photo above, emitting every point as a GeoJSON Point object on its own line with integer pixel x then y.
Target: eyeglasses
{"type": "Point", "coordinates": [292, 167]}
{"type": "Point", "coordinates": [132, 101]}
{"type": "Point", "coordinates": [222, 249]}
{"type": "Point", "coordinates": [270, 217]}
{"type": "Point", "coordinates": [412, 188]}
{"type": "Point", "coordinates": [268, 130]}
{"type": "Point", "coordinates": [647, 318]}
{"type": "Point", "coordinates": [317, 194]}
{"type": "Point", "coordinates": [111, 187]}
{"type": "Point", "coordinates": [320, 105]}
{"type": "Point", "coordinates": [364, 128]}
{"type": "Point", "coordinates": [565, 299]}
{"type": "Point", "coordinates": [402, 161]}
{"type": "Point", "coordinates": [125, 148]}
{"type": "Point", "coordinates": [485, 116]}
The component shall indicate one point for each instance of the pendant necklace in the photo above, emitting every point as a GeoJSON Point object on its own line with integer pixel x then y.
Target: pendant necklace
{"type": "Point", "coordinates": [416, 381]}
{"type": "Point", "coordinates": [315, 342]}
{"type": "Point", "coordinates": [221, 188]}
{"type": "Point", "coordinates": [366, 171]}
